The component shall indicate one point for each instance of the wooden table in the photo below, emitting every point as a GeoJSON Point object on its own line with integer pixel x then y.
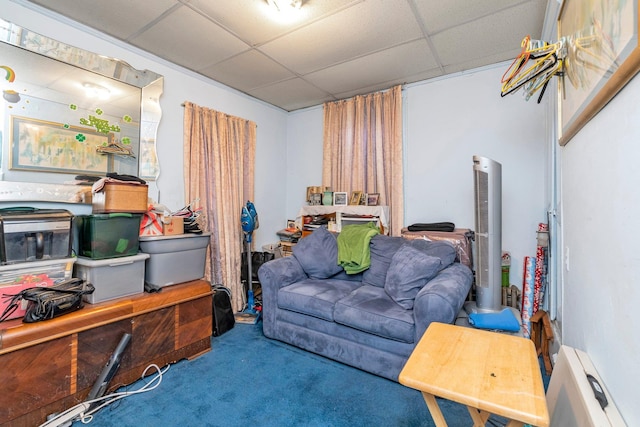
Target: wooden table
{"type": "Point", "coordinates": [490, 372]}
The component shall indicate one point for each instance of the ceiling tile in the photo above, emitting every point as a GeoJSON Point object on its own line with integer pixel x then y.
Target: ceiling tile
{"type": "Point", "coordinates": [291, 94]}
{"type": "Point", "coordinates": [336, 48]}
{"type": "Point", "coordinates": [439, 15]}
{"type": "Point", "coordinates": [172, 39]}
{"type": "Point", "coordinates": [364, 28]}
{"type": "Point", "coordinates": [383, 86]}
{"type": "Point", "coordinates": [256, 22]}
{"type": "Point", "coordinates": [247, 71]}
{"type": "Point", "coordinates": [119, 18]}
{"type": "Point", "coordinates": [488, 36]}
{"type": "Point", "coordinates": [372, 70]}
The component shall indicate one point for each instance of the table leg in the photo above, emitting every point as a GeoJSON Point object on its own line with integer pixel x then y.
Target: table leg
{"type": "Point", "coordinates": [436, 413]}
{"type": "Point", "coordinates": [479, 417]}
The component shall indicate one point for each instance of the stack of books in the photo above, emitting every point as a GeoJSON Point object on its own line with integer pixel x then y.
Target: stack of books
{"type": "Point", "coordinates": [288, 238]}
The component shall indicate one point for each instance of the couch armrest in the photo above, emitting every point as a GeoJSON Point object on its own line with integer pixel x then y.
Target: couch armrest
{"type": "Point", "coordinates": [442, 297]}
{"type": "Point", "coordinates": [273, 275]}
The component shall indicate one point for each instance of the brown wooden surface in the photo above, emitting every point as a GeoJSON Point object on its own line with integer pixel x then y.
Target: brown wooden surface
{"type": "Point", "coordinates": [490, 372]}
{"type": "Point", "coordinates": [49, 366]}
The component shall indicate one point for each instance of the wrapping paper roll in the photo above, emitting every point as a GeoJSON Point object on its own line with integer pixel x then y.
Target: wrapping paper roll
{"type": "Point", "coordinates": [540, 271]}
{"type": "Point", "coordinates": [537, 282]}
{"type": "Point", "coordinates": [528, 284]}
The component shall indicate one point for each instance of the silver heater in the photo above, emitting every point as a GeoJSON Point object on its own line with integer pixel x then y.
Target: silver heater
{"type": "Point", "coordinates": [487, 178]}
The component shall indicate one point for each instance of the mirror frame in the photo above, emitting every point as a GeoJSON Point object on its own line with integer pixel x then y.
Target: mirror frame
{"type": "Point", "coordinates": [150, 83]}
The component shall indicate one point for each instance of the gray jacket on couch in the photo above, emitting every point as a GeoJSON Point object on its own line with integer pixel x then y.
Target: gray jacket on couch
{"type": "Point", "coordinates": [371, 320]}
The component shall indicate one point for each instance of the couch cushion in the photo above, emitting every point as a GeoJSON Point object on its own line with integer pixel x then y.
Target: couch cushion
{"type": "Point", "coordinates": [442, 249]}
{"type": "Point", "coordinates": [318, 254]}
{"type": "Point", "coordinates": [371, 310]}
{"type": "Point", "coordinates": [315, 297]}
{"type": "Point", "coordinates": [409, 271]}
{"type": "Point", "coordinates": [382, 249]}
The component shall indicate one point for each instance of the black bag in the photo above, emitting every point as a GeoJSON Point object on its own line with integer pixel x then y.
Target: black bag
{"type": "Point", "coordinates": [48, 302]}
{"type": "Point", "coordinates": [223, 318]}
{"type": "Point", "coordinates": [433, 226]}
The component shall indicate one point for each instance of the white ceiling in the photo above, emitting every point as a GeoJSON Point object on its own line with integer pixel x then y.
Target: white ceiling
{"type": "Point", "coordinates": [335, 49]}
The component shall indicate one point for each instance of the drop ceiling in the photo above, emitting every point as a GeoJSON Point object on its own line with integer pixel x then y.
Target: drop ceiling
{"type": "Point", "coordinates": [333, 49]}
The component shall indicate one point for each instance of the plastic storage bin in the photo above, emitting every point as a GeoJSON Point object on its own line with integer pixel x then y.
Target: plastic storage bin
{"type": "Point", "coordinates": [103, 236]}
{"type": "Point", "coordinates": [112, 278]}
{"type": "Point", "coordinates": [174, 259]}
{"type": "Point", "coordinates": [18, 277]}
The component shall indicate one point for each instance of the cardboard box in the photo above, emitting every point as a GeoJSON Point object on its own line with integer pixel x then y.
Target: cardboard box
{"type": "Point", "coordinates": [17, 277]}
{"type": "Point", "coordinates": [172, 225]}
{"type": "Point", "coordinates": [174, 259]}
{"type": "Point", "coordinates": [116, 197]}
{"type": "Point", "coordinates": [112, 278]}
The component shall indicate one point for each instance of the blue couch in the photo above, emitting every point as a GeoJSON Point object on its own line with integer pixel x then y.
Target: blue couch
{"type": "Point", "coordinates": [371, 320]}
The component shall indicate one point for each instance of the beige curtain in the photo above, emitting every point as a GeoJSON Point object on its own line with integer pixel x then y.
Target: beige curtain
{"type": "Point", "coordinates": [219, 158]}
{"type": "Point", "coordinates": [363, 149]}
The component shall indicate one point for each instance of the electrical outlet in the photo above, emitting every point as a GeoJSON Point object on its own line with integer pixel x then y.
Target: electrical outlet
{"type": "Point", "coordinates": [566, 258]}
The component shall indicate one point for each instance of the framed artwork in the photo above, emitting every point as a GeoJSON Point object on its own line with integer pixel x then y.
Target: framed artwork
{"type": "Point", "coordinates": [355, 197]}
{"type": "Point", "coordinates": [372, 199]}
{"type": "Point", "coordinates": [39, 145]}
{"type": "Point", "coordinates": [603, 54]}
{"type": "Point", "coordinates": [340, 198]}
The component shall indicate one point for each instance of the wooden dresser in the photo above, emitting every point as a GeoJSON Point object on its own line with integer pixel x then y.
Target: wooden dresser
{"type": "Point", "coordinates": [50, 366]}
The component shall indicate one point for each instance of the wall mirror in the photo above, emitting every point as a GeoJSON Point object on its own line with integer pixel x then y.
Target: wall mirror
{"type": "Point", "coordinates": [69, 113]}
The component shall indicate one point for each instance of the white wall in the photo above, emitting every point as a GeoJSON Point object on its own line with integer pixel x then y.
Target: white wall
{"type": "Point", "coordinates": [450, 120]}
{"type": "Point", "coordinates": [600, 221]}
{"type": "Point", "coordinates": [447, 121]}
{"type": "Point", "coordinates": [304, 156]}
{"type": "Point", "coordinates": [181, 85]}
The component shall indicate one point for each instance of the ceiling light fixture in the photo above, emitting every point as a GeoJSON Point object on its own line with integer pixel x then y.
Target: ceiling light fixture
{"type": "Point", "coordinates": [285, 6]}
{"type": "Point", "coordinates": [93, 90]}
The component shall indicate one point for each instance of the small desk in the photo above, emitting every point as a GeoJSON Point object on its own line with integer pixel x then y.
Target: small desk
{"type": "Point", "coordinates": [491, 373]}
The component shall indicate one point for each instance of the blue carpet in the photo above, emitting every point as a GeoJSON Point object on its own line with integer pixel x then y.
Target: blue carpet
{"type": "Point", "coordinates": [250, 380]}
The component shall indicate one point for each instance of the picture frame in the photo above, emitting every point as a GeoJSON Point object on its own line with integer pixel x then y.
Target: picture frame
{"type": "Point", "coordinates": [372, 199]}
{"type": "Point", "coordinates": [291, 224]}
{"type": "Point", "coordinates": [340, 198]}
{"type": "Point", "coordinates": [44, 146]}
{"type": "Point", "coordinates": [355, 197]}
{"type": "Point", "coordinates": [316, 199]}
{"type": "Point", "coordinates": [603, 54]}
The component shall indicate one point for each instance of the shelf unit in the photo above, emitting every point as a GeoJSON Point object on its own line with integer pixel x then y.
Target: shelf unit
{"type": "Point", "coordinates": [344, 215]}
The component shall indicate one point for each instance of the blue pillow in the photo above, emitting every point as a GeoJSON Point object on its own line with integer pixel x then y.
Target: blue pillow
{"type": "Point", "coordinates": [382, 248]}
{"type": "Point", "coordinates": [439, 248]}
{"type": "Point", "coordinates": [318, 254]}
{"type": "Point", "coordinates": [503, 320]}
{"type": "Point", "coordinates": [409, 271]}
